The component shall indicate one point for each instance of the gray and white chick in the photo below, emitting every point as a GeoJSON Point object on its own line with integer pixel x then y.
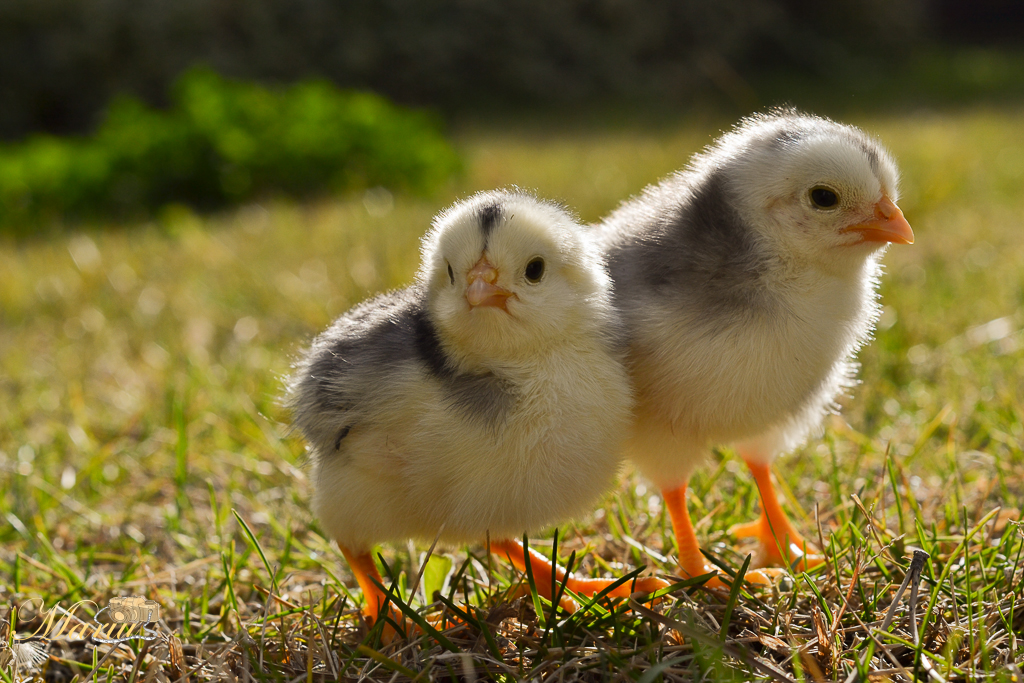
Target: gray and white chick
{"type": "Point", "coordinates": [747, 283]}
{"type": "Point", "coordinates": [485, 399]}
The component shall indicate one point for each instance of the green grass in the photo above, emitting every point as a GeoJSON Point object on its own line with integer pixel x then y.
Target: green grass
{"type": "Point", "coordinates": [140, 427]}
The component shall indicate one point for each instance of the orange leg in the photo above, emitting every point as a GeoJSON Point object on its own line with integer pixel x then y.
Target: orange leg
{"type": "Point", "coordinates": [773, 528]}
{"type": "Point", "coordinates": [366, 572]}
{"type": "Point", "coordinates": [691, 561]}
{"type": "Point", "coordinates": [541, 568]}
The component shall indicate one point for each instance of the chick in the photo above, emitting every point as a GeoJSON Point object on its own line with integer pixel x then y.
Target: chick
{"type": "Point", "coordinates": [747, 282]}
{"type": "Point", "coordinates": [486, 399]}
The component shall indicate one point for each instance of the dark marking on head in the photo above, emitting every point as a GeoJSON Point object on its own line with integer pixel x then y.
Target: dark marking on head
{"type": "Point", "coordinates": [341, 435]}
{"type": "Point", "coordinates": [490, 214]}
{"type": "Point", "coordinates": [784, 138]}
{"type": "Point", "coordinates": [872, 155]}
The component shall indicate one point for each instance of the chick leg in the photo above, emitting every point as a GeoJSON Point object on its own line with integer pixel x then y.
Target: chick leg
{"type": "Point", "coordinates": [691, 560]}
{"type": "Point", "coordinates": [366, 573]}
{"type": "Point", "coordinates": [773, 528]}
{"type": "Point", "coordinates": [541, 568]}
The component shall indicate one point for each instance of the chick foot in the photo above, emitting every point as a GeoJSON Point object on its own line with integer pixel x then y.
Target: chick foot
{"type": "Point", "coordinates": [774, 530]}
{"type": "Point", "coordinates": [541, 569]}
{"type": "Point", "coordinates": [369, 581]}
{"type": "Point", "coordinates": [691, 561]}
{"type": "Point", "coordinates": [591, 587]}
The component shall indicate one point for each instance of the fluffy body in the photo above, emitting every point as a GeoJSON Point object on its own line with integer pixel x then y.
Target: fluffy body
{"type": "Point", "coordinates": [426, 416]}
{"type": "Point", "coordinates": [744, 303]}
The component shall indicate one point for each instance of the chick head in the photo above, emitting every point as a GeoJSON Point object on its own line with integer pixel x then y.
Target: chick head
{"type": "Point", "coordinates": [507, 274]}
{"type": "Point", "coordinates": [814, 189]}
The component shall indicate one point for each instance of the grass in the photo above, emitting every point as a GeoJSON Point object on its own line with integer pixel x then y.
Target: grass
{"type": "Point", "coordinates": [143, 450]}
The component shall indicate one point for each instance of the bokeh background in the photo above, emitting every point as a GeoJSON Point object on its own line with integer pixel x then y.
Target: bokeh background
{"type": "Point", "coordinates": [61, 61]}
{"type": "Point", "coordinates": [175, 224]}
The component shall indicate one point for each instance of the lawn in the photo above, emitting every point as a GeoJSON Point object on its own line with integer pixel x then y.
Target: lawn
{"type": "Point", "coordinates": [144, 451]}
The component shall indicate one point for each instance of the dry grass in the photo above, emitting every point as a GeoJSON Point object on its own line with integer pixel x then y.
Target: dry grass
{"type": "Point", "coordinates": [139, 429]}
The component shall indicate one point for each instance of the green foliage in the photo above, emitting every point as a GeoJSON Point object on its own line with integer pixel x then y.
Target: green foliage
{"type": "Point", "coordinates": [222, 142]}
{"type": "Point", "coordinates": [62, 60]}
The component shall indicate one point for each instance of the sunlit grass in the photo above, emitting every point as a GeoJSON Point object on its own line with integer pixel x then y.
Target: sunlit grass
{"type": "Point", "coordinates": [140, 375]}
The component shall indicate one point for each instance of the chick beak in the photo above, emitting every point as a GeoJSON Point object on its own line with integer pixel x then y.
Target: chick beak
{"type": "Point", "coordinates": [889, 225]}
{"type": "Point", "coordinates": [482, 290]}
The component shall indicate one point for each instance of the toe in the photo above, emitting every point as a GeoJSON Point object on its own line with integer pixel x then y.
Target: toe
{"type": "Point", "coordinates": [764, 577]}
{"type": "Point", "coordinates": [746, 529]}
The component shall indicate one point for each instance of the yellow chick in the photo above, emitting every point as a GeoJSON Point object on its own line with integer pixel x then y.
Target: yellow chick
{"type": "Point", "coordinates": [485, 399]}
{"type": "Point", "coordinates": [747, 283]}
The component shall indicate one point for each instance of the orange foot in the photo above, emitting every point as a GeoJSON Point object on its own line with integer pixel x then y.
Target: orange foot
{"type": "Point", "coordinates": [406, 628]}
{"type": "Point", "coordinates": [370, 582]}
{"type": "Point", "coordinates": [691, 561]}
{"type": "Point", "coordinates": [541, 568]}
{"type": "Point", "coordinates": [774, 530]}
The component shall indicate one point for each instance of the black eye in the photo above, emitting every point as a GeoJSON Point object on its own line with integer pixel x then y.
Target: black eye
{"type": "Point", "coordinates": [824, 198]}
{"type": "Point", "coordinates": [535, 270]}
{"type": "Point", "coordinates": [451, 274]}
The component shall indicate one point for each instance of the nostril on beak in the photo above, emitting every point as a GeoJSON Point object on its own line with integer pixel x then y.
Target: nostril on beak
{"type": "Point", "coordinates": [885, 209]}
{"type": "Point", "coordinates": [483, 270]}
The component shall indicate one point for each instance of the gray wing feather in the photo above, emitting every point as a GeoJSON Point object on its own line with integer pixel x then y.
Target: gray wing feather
{"type": "Point", "coordinates": [365, 354]}
{"type": "Point", "coordinates": [682, 241]}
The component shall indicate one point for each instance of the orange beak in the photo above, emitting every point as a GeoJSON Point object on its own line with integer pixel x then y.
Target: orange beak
{"type": "Point", "coordinates": [482, 291]}
{"type": "Point", "coordinates": [889, 225]}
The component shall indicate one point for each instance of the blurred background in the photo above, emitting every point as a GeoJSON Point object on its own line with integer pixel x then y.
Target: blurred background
{"type": "Point", "coordinates": [61, 61]}
{"type": "Point", "coordinates": [115, 109]}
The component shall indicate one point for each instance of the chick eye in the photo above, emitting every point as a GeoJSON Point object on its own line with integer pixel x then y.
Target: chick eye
{"type": "Point", "coordinates": [535, 270]}
{"type": "Point", "coordinates": [824, 198]}
{"type": "Point", "coordinates": [451, 274]}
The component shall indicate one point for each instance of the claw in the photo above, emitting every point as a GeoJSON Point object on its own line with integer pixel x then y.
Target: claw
{"type": "Point", "coordinates": [691, 560]}
{"type": "Point", "coordinates": [774, 531]}
{"type": "Point", "coordinates": [541, 566]}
